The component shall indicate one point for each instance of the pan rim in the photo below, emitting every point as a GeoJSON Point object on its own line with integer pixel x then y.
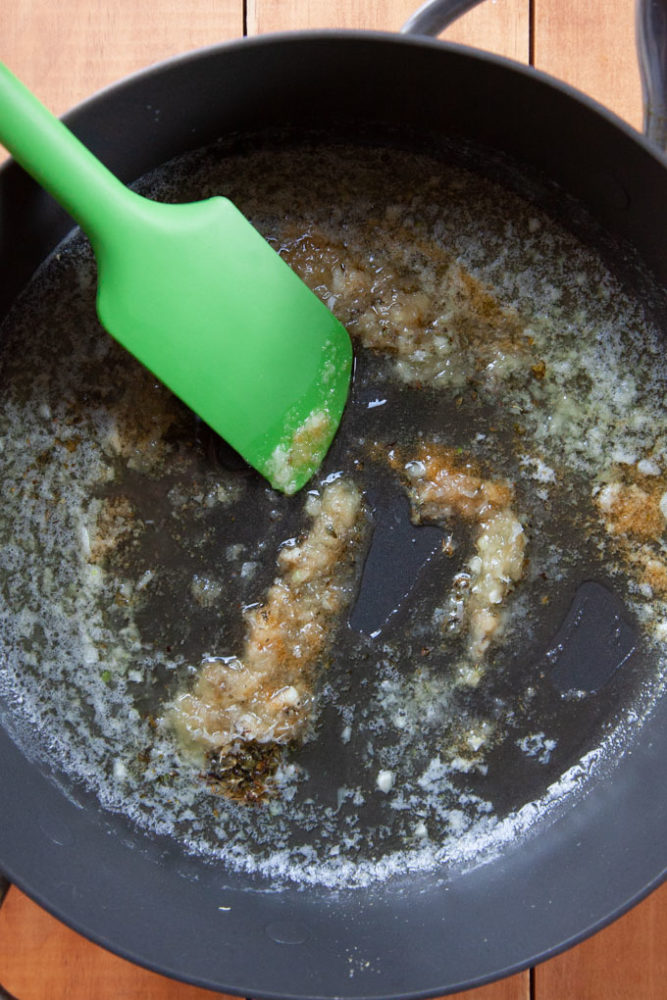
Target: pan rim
{"type": "Point", "coordinates": [271, 40]}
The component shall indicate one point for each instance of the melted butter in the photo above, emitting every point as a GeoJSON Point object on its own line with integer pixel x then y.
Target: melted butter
{"type": "Point", "coordinates": [519, 382]}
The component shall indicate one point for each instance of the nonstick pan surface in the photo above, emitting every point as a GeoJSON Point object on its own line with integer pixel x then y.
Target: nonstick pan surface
{"type": "Point", "coordinates": [428, 932]}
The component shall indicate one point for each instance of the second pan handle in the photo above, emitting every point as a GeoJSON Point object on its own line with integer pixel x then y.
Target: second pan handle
{"type": "Point", "coordinates": [651, 31]}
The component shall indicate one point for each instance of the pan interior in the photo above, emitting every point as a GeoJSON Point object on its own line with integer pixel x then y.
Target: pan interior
{"type": "Point", "coordinates": [489, 342]}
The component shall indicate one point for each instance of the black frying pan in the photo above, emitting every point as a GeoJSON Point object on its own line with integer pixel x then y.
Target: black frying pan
{"type": "Point", "coordinates": [429, 933]}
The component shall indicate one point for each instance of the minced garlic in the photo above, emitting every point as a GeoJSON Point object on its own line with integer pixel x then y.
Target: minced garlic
{"type": "Point", "coordinates": [265, 695]}
{"type": "Point", "coordinates": [633, 510]}
{"type": "Point", "coordinates": [302, 452]}
{"type": "Point", "coordinates": [443, 487]}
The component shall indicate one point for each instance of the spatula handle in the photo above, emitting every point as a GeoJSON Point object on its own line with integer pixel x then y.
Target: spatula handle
{"type": "Point", "coordinates": [59, 161]}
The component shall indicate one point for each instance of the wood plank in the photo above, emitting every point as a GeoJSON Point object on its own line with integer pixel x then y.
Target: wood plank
{"type": "Point", "coordinates": [41, 959]}
{"type": "Point", "coordinates": [513, 988]}
{"type": "Point", "coordinates": [287, 15]}
{"type": "Point", "coordinates": [591, 46]}
{"type": "Point", "coordinates": [626, 960]}
{"type": "Point", "coordinates": [66, 51]}
{"type": "Point", "coordinates": [501, 26]}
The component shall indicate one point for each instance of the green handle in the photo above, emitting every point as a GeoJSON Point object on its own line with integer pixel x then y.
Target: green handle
{"type": "Point", "coordinates": [59, 162]}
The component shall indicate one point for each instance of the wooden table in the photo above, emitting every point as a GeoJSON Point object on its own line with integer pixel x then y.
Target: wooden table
{"type": "Point", "coordinates": [68, 49]}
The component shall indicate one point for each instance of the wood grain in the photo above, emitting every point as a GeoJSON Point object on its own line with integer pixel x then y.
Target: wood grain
{"type": "Point", "coordinates": [513, 988]}
{"type": "Point", "coordinates": [68, 50]}
{"type": "Point", "coordinates": [627, 960]}
{"type": "Point", "coordinates": [591, 46]}
{"type": "Point", "coordinates": [501, 26]}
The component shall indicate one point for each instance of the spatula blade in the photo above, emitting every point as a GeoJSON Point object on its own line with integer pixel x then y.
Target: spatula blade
{"type": "Point", "coordinates": [204, 302]}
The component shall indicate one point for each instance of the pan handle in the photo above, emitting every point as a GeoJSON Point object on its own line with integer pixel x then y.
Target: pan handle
{"type": "Point", "coordinates": [651, 27]}
{"type": "Point", "coordinates": [652, 49]}
{"type": "Point", "coordinates": [436, 15]}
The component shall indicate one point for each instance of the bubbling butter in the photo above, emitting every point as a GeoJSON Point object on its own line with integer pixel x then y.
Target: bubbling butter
{"type": "Point", "coordinates": [506, 381]}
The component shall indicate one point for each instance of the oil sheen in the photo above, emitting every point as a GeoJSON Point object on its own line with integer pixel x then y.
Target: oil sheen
{"type": "Point", "coordinates": [176, 635]}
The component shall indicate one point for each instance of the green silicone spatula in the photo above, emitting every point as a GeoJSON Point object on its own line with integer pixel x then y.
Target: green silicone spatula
{"type": "Point", "coordinates": [201, 299]}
